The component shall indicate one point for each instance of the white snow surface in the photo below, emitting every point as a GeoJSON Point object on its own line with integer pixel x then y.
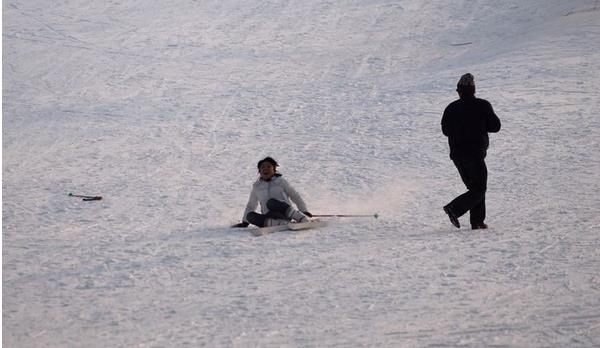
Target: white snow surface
{"type": "Point", "coordinates": [164, 108]}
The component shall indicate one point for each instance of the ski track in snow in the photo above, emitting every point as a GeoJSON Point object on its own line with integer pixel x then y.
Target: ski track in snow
{"type": "Point", "coordinates": [165, 109]}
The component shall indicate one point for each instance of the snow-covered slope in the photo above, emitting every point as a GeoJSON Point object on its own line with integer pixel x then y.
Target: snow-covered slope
{"type": "Point", "coordinates": [164, 109]}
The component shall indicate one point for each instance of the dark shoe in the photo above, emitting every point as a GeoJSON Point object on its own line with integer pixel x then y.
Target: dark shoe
{"type": "Point", "coordinates": [480, 226]}
{"type": "Point", "coordinates": [452, 216]}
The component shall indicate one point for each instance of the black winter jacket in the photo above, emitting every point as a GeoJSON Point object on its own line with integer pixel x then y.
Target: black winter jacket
{"type": "Point", "coordinates": [466, 123]}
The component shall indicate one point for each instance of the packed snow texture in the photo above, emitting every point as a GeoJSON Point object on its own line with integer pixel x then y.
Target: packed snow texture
{"type": "Point", "coordinates": [164, 108]}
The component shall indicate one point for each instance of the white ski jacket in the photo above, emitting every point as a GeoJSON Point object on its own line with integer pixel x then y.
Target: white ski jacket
{"type": "Point", "coordinates": [278, 188]}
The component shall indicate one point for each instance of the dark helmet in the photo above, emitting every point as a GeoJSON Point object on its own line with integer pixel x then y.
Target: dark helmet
{"type": "Point", "coordinates": [267, 159]}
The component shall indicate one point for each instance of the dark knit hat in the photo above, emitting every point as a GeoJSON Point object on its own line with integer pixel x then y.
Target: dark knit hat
{"type": "Point", "coordinates": [267, 159]}
{"type": "Point", "coordinates": [466, 83]}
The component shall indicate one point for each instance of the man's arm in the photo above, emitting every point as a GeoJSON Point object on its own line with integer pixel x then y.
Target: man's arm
{"type": "Point", "coordinates": [493, 122]}
{"type": "Point", "coordinates": [446, 122]}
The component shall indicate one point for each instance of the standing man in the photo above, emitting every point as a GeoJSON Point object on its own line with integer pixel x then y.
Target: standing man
{"type": "Point", "coordinates": [467, 122]}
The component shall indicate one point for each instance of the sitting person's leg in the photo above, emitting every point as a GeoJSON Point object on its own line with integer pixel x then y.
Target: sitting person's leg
{"type": "Point", "coordinates": [282, 210]}
{"type": "Point", "coordinates": [256, 219]}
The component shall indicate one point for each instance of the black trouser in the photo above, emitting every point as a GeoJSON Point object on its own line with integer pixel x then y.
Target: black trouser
{"type": "Point", "coordinates": [473, 173]}
{"type": "Point", "coordinates": [277, 210]}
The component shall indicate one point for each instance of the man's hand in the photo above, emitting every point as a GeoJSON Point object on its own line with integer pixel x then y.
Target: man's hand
{"type": "Point", "coordinates": [241, 224]}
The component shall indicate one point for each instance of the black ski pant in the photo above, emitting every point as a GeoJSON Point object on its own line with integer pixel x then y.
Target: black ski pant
{"type": "Point", "coordinates": [277, 210]}
{"type": "Point", "coordinates": [473, 173]}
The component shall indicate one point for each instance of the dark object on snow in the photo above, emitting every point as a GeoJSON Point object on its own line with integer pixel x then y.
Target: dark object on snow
{"type": "Point", "coordinates": [460, 44]}
{"type": "Point", "coordinates": [241, 225]}
{"type": "Point", "coordinates": [86, 198]}
{"type": "Point", "coordinates": [466, 122]}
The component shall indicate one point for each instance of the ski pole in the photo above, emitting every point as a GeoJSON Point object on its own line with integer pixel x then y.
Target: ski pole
{"type": "Point", "coordinates": [376, 215]}
{"type": "Point", "coordinates": [86, 198]}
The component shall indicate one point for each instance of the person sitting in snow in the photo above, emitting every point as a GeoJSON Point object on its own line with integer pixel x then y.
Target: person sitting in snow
{"type": "Point", "coordinates": [275, 196]}
{"type": "Point", "coordinates": [466, 122]}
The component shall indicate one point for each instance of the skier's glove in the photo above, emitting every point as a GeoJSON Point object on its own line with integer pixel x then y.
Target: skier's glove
{"type": "Point", "coordinates": [307, 214]}
{"type": "Point", "coordinates": [241, 224]}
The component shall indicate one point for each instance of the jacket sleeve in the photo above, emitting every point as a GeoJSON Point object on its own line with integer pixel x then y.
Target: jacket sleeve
{"type": "Point", "coordinates": [251, 205]}
{"type": "Point", "coordinates": [446, 122]}
{"type": "Point", "coordinates": [493, 122]}
{"type": "Point", "coordinates": [294, 196]}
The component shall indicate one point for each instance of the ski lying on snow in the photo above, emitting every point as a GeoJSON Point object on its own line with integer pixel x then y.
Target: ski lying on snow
{"type": "Point", "coordinates": [86, 198]}
{"type": "Point", "coordinates": [294, 226]}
